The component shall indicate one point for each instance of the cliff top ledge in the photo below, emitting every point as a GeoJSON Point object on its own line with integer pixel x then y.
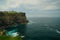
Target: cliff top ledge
{"type": "Point", "coordinates": [9, 18]}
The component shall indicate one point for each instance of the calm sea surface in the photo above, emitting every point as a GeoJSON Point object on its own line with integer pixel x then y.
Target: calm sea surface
{"type": "Point", "coordinates": [38, 29]}
{"type": "Point", "coordinates": [43, 29]}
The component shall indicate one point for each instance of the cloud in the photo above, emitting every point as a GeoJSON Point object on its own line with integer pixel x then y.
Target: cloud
{"type": "Point", "coordinates": [44, 5]}
{"type": "Point", "coordinates": [49, 7]}
{"type": "Point", "coordinates": [10, 4]}
{"type": "Point", "coordinates": [16, 3]}
{"type": "Point", "coordinates": [30, 4]}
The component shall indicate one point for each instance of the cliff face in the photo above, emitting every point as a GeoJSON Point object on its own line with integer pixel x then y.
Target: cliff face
{"type": "Point", "coordinates": [12, 18]}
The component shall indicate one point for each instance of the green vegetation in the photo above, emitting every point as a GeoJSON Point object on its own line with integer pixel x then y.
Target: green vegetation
{"type": "Point", "coordinates": [10, 38]}
{"type": "Point", "coordinates": [11, 19]}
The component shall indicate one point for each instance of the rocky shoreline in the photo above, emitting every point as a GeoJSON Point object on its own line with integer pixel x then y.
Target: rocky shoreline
{"type": "Point", "coordinates": [10, 19]}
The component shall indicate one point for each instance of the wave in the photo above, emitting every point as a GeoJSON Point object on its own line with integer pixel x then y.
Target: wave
{"type": "Point", "coordinates": [57, 31]}
{"type": "Point", "coordinates": [31, 22]}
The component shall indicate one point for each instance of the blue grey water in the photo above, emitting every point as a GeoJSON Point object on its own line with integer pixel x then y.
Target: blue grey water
{"type": "Point", "coordinates": [39, 28]}
{"type": "Point", "coordinates": [43, 28]}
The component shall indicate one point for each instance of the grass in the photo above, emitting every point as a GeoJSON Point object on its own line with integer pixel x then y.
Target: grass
{"type": "Point", "coordinates": [10, 38]}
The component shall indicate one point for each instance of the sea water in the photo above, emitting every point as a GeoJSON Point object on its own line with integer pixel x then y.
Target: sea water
{"type": "Point", "coordinates": [38, 28]}
{"type": "Point", "coordinates": [43, 28]}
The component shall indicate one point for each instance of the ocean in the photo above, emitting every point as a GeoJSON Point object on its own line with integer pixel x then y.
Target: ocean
{"type": "Point", "coordinates": [38, 28]}
{"type": "Point", "coordinates": [43, 28]}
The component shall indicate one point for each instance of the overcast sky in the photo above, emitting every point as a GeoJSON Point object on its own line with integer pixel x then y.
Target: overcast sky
{"type": "Point", "coordinates": [33, 8]}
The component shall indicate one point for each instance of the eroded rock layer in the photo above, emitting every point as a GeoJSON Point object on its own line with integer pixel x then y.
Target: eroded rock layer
{"type": "Point", "coordinates": [12, 18]}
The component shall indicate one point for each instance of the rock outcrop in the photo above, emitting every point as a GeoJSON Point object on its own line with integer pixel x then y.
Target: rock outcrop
{"type": "Point", "coordinates": [12, 18]}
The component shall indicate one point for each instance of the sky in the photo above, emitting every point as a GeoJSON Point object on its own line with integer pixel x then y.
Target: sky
{"type": "Point", "coordinates": [32, 8]}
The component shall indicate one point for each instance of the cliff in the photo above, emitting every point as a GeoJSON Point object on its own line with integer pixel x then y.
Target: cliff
{"type": "Point", "coordinates": [12, 18]}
